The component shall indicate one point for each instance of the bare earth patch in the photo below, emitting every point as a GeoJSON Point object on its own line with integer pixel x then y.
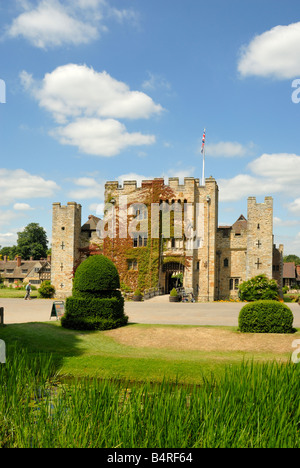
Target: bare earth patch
{"type": "Point", "coordinates": [201, 339]}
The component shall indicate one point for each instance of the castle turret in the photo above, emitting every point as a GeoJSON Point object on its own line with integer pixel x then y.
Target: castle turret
{"type": "Point", "coordinates": [66, 229]}
{"type": "Point", "coordinates": [259, 238]}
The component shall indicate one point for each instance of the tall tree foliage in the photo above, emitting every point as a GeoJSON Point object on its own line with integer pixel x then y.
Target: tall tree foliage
{"type": "Point", "coordinates": [32, 242]}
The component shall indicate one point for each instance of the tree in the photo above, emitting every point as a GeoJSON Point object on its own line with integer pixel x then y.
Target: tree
{"type": "Point", "coordinates": [9, 252]}
{"type": "Point", "coordinates": [32, 242]}
{"type": "Point", "coordinates": [292, 259]}
{"type": "Point", "coordinates": [259, 288]}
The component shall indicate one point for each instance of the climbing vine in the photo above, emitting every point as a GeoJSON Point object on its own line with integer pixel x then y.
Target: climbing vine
{"type": "Point", "coordinates": [139, 266]}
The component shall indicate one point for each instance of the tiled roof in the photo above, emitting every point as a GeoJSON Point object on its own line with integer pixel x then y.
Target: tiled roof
{"type": "Point", "coordinates": [289, 270]}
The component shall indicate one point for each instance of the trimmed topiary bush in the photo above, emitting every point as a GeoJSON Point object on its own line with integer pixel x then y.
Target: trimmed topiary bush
{"type": "Point", "coordinates": [96, 274]}
{"type": "Point", "coordinates": [266, 317]}
{"type": "Point", "coordinates": [96, 304]}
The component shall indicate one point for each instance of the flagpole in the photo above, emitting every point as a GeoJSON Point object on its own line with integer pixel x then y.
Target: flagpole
{"type": "Point", "coordinates": [203, 169]}
{"type": "Point", "coordinates": [203, 152]}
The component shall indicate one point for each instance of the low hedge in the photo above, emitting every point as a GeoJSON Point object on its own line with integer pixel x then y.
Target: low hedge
{"type": "Point", "coordinates": [94, 313]}
{"type": "Point", "coordinates": [266, 317]}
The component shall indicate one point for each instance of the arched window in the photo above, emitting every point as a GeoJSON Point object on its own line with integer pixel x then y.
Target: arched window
{"type": "Point", "coordinates": [226, 263]}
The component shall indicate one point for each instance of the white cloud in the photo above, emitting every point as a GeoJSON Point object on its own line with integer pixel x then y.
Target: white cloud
{"type": "Point", "coordinates": [88, 104]}
{"type": "Point", "coordinates": [7, 216]}
{"type": "Point", "coordinates": [50, 24]}
{"type": "Point", "coordinates": [8, 239]}
{"type": "Point", "coordinates": [283, 168]}
{"type": "Point", "coordinates": [228, 149]}
{"type": "Point", "coordinates": [280, 223]}
{"type": "Point", "coordinates": [272, 173]}
{"type": "Point", "coordinates": [275, 53]}
{"type": "Point", "coordinates": [156, 81]}
{"type": "Point", "coordinates": [88, 188]}
{"type": "Point", "coordinates": [73, 90]}
{"type": "Point", "coordinates": [100, 137]}
{"type": "Point", "coordinates": [19, 185]}
{"type": "Point", "coordinates": [294, 207]}
{"type": "Point", "coordinates": [22, 207]}
{"type": "Point", "coordinates": [241, 186]}
{"type": "Point", "coordinates": [54, 23]}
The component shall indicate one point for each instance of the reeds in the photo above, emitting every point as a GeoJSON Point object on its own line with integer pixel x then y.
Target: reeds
{"type": "Point", "coordinates": [252, 405]}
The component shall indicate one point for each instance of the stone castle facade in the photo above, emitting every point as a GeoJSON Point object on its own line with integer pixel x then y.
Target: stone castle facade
{"type": "Point", "coordinates": [156, 233]}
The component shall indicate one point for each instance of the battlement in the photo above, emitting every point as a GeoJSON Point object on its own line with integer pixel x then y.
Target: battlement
{"type": "Point", "coordinates": [173, 183]}
{"type": "Point", "coordinates": [59, 206]}
{"type": "Point", "coordinates": [268, 201]}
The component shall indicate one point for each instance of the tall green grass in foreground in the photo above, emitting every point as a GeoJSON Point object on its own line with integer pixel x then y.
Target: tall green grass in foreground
{"type": "Point", "coordinates": [253, 405]}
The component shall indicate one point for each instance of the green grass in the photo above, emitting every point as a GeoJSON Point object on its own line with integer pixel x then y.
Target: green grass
{"type": "Point", "coordinates": [251, 406]}
{"type": "Point", "coordinates": [63, 388]}
{"type": "Point", "coordinates": [15, 293]}
{"type": "Point", "coordinates": [80, 354]}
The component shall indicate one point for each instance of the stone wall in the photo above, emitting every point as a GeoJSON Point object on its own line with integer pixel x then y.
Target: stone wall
{"type": "Point", "coordinates": [66, 230]}
{"type": "Point", "coordinates": [259, 238]}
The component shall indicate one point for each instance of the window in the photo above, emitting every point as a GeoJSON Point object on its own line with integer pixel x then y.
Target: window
{"type": "Point", "coordinates": [226, 263]}
{"type": "Point", "coordinates": [9, 271]}
{"type": "Point", "coordinates": [132, 265]}
{"type": "Point", "coordinates": [234, 284]}
{"type": "Point", "coordinates": [140, 241]}
{"type": "Point", "coordinates": [24, 272]}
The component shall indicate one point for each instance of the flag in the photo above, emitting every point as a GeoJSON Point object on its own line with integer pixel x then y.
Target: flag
{"type": "Point", "coordinates": [203, 142]}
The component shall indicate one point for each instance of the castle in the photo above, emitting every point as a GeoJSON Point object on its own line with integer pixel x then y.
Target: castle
{"type": "Point", "coordinates": [158, 234]}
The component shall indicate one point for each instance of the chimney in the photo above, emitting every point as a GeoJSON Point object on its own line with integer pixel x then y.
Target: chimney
{"type": "Point", "coordinates": [49, 258]}
{"type": "Point", "coordinates": [19, 261]}
{"type": "Point", "coordinates": [5, 258]}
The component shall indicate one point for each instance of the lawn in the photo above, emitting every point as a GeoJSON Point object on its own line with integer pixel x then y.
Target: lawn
{"type": "Point", "coordinates": [242, 390]}
{"type": "Point", "coordinates": [11, 293]}
{"type": "Point", "coordinates": [127, 355]}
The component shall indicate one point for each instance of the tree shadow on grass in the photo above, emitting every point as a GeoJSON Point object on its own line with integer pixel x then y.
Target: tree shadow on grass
{"type": "Point", "coordinates": [43, 338]}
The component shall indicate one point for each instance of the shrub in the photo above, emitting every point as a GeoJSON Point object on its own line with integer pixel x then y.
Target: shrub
{"type": "Point", "coordinates": [259, 288]}
{"type": "Point", "coordinates": [96, 304]}
{"type": "Point", "coordinates": [266, 317]}
{"type": "Point", "coordinates": [173, 293]}
{"type": "Point", "coordinates": [137, 292]}
{"type": "Point", "coordinates": [96, 273]}
{"type": "Point", "coordinates": [94, 313]}
{"type": "Point", "coordinates": [46, 290]}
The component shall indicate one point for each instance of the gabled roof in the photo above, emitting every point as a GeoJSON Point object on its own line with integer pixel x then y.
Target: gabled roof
{"type": "Point", "coordinates": [19, 272]}
{"type": "Point", "coordinates": [91, 224]}
{"type": "Point", "coordinates": [240, 224]}
{"type": "Point", "coordinates": [289, 270]}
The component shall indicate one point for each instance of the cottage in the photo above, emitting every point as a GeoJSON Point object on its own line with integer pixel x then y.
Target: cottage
{"type": "Point", "coordinates": [13, 272]}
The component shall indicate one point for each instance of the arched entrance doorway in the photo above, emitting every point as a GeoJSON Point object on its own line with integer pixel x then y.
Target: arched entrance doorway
{"type": "Point", "coordinates": [174, 272]}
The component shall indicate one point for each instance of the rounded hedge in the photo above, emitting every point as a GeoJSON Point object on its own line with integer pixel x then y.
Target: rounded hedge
{"type": "Point", "coordinates": [96, 304]}
{"type": "Point", "coordinates": [266, 317]}
{"type": "Point", "coordinates": [95, 275]}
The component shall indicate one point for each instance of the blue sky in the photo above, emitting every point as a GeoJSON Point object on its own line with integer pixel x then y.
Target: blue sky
{"type": "Point", "coordinates": [101, 90]}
